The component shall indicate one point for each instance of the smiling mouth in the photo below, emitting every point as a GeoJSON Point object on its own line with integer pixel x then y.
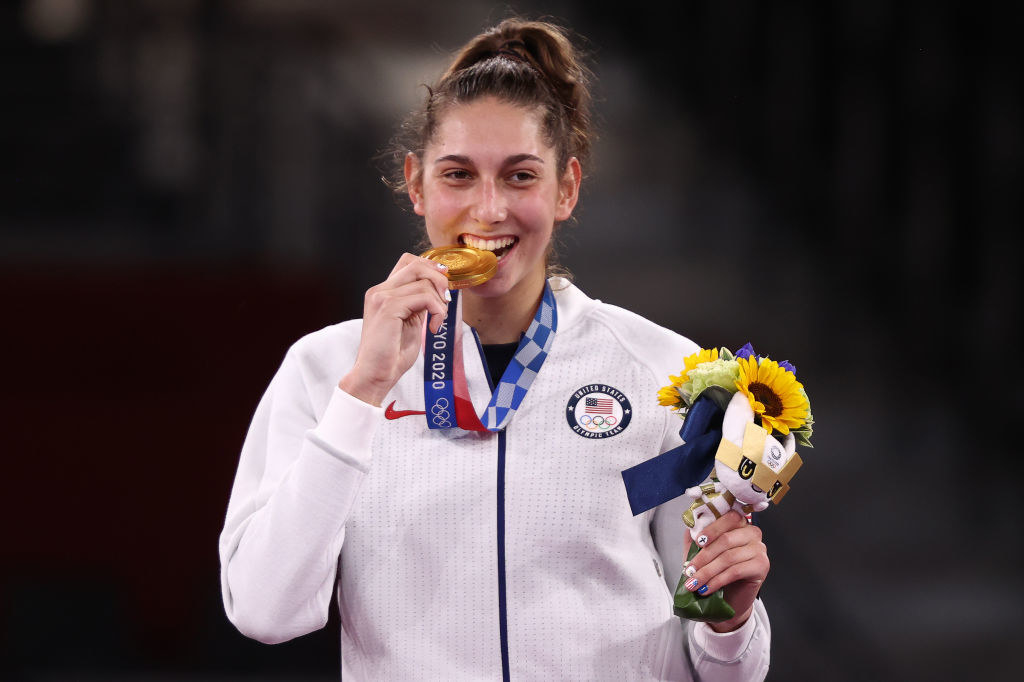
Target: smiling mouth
{"type": "Point", "coordinates": [499, 245]}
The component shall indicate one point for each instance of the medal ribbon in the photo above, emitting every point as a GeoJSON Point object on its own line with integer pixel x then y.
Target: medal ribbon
{"type": "Point", "coordinates": [446, 392]}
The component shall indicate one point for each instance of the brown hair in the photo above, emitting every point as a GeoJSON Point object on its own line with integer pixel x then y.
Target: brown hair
{"type": "Point", "coordinates": [528, 63]}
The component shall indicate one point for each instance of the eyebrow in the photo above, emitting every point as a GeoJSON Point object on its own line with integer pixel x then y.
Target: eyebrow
{"type": "Point", "coordinates": [514, 159]}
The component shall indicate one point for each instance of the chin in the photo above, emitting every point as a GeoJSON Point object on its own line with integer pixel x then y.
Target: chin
{"type": "Point", "coordinates": [491, 288]}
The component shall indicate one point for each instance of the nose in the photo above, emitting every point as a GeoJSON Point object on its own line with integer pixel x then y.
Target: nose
{"type": "Point", "coordinates": [489, 204]}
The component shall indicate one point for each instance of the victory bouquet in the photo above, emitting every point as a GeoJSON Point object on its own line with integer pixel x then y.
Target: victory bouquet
{"type": "Point", "coordinates": [743, 415]}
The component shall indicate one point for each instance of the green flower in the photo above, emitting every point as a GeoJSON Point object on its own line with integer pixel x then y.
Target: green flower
{"type": "Point", "coordinates": [722, 373]}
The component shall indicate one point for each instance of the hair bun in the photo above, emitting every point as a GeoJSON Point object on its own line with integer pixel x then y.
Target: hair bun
{"type": "Point", "coordinates": [512, 50]}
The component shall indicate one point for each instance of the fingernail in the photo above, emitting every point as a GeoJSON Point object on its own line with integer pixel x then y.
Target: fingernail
{"type": "Point", "coordinates": [442, 267]}
{"type": "Point", "coordinates": [703, 589]}
{"type": "Point", "coordinates": [447, 295]}
{"type": "Point", "coordinates": [691, 584]}
{"type": "Point", "coordinates": [702, 540]}
{"type": "Point", "coordinates": [690, 571]}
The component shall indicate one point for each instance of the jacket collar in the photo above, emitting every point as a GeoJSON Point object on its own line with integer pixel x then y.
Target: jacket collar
{"type": "Point", "coordinates": [572, 303]}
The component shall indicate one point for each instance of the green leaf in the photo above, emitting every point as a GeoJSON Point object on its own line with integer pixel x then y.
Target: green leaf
{"type": "Point", "coordinates": [718, 395]}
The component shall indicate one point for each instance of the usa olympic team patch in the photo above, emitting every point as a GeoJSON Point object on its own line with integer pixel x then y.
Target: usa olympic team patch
{"type": "Point", "coordinates": [598, 411]}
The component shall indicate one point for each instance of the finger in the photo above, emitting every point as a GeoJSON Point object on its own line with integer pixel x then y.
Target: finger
{"type": "Point", "coordinates": [404, 260]}
{"type": "Point", "coordinates": [436, 321]}
{"type": "Point", "coordinates": [411, 268]}
{"type": "Point", "coordinates": [750, 565]}
{"type": "Point", "coordinates": [378, 295]}
{"type": "Point", "coordinates": [723, 524]}
{"type": "Point", "coordinates": [735, 537]}
{"type": "Point", "coordinates": [709, 573]}
{"type": "Point", "coordinates": [405, 301]}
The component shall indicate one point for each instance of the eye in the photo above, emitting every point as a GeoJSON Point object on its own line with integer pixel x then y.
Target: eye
{"type": "Point", "coordinates": [775, 489]}
{"type": "Point", "coordinates": [456, 174]}
{"type": "Point", "coordinates": [746, 469]}
{"type": "Point", "coordinates": [521, 177]}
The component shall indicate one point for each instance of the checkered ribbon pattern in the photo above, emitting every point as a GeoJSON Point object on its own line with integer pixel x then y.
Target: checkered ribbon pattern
{"type": "Point", "coordinates": [519, 375]}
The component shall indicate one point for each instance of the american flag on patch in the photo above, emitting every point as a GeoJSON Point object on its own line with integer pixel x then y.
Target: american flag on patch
{"type": "Point", "coordinates": [600, 405]}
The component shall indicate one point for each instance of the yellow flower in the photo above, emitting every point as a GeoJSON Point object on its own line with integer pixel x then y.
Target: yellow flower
{"type": "Point", "coordinates": [774, 394]}
{"type": "Point", "coordinates": [691, 361]}
{"type": "Point", "coordinates": [673, 395]}
{"type": "Point", "coordinates": [669, 396]}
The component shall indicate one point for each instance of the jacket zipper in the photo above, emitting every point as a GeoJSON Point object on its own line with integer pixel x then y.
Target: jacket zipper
{"type": "Point", "coordinates": [502, 604]}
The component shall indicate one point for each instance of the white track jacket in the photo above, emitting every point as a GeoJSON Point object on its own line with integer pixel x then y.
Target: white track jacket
{"type": "Point", "coordinates": [459, 555]}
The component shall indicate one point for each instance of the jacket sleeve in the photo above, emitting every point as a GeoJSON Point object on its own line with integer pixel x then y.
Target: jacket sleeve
{"type": "Point", "coordinates": [739, 656]}
{"type": "Point", "coordinates": [298, 476]}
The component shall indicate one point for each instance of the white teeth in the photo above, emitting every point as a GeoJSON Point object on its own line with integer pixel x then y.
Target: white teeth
{"type": "Point", "coordinates": [487, 244]}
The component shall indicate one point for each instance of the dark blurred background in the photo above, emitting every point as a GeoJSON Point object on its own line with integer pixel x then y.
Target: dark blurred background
{"type": "Point", "coordinates": [189, 186]}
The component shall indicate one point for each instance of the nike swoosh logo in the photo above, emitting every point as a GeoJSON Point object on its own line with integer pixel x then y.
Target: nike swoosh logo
{"type": "Point", "coordinates": [391, 413]}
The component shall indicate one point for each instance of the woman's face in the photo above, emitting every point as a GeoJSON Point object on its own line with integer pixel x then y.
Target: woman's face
{"type": "Point", "coordinates": [490, 181]}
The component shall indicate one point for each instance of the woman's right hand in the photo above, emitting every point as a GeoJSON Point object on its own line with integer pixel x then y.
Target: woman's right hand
{"type": "Point", "coordinates": [394, 312]}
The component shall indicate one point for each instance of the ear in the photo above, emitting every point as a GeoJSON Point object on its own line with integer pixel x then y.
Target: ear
{"type": "Point", "coordinates": [414, 181]}
{"type": "Point", "coordinates": [569, 190]}
{"type": "Point", "coordinates": [737, 416]}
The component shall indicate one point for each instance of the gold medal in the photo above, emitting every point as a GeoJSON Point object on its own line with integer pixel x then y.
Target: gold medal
{"type": "Point", "coordinates": [467, 266]}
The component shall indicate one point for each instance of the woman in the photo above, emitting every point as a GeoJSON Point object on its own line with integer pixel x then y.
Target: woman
{"type": "Point", "coordinates": [490, 537]}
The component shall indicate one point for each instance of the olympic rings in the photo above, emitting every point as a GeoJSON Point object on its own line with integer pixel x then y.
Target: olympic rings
{"type": "Point", "coordinates": [441, 415]}
{"type": "Point", "coordinates": [597, 422]}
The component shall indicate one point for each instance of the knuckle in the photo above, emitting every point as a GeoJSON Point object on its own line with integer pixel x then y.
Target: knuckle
{"type": "Point", "coordinates": [727, 541]}
{"type": "Point", "coordinates": [732, 556]}
{"type": "Point", "coordinates": [729, 575]}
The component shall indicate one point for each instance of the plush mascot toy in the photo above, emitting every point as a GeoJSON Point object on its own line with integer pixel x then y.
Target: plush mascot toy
{"type": "Point", "coordinates": [751, 468]}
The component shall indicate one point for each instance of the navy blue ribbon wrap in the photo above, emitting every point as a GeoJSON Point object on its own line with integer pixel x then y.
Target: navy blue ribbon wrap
{"type": "Point", "coordinates": [668, 475]}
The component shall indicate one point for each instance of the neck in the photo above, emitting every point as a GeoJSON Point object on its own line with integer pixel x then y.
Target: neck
{"type": "Point", "coordinates": [501, 319]}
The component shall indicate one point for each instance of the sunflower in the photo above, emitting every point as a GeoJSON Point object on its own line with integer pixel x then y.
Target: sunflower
{"type": "Point", "coordinates": [774, 394]}
{"type": "Point", "coordinates": [669, 396]}
{"type": "Point", "coordinates": [691, 361]}
{"type": "Point", "coordinates": [672, 395]}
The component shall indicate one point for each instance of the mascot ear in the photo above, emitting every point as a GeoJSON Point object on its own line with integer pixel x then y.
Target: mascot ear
{"type": "Point", "coordinates": [789, 445]}
{"type": "Point", "coordinates": [734, 426]}
{"type": "Point", "coordinates": [737, 416]}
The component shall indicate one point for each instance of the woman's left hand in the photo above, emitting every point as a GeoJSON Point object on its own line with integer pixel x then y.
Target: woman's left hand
{"type": "Point", "coordinates": [733, 558]}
